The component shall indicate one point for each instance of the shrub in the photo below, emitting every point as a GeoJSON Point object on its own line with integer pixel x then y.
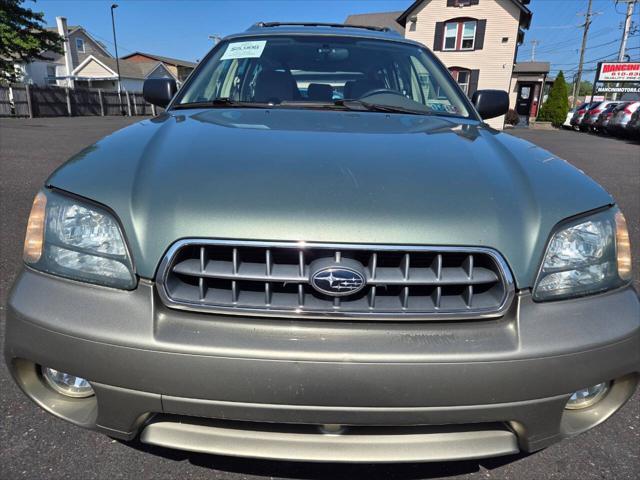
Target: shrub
{"type": "Point", "coordinates": [512, 117]}
{"type": "Point", "coordinates": [555, 109]}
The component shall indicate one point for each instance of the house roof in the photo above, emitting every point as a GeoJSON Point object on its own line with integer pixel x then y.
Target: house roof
{"type": "Point", "coordinates": [380, 19]}
{"type": "Point", "coordinates": [525, 17]}
{"type": "Point", "coordinates": [136, 70]}
{"type": "Point", "coordinates": [131, 69]}
{"type": "Point", "coordinates": [71, 29]}
{"type": "Point", "coordinates": [168, 60]}
{"type": "Point", "coordinates": [532, 67]}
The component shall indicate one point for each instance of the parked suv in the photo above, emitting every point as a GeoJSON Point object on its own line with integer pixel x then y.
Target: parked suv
{"type": "Point", "coordinates": [354, 268]}
{"type": "Point", "coordinates": [579, 113]}
{"type": "Point", "coordinates": [591, 115]}
{"type": "Point", "coordinates": [617, 124]}
{"type": "Point", "coordinates": [602, 120]}
{"type": "Point", "coordinates": [633, 126]}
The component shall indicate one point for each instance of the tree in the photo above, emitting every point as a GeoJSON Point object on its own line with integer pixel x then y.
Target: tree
{"type": "Point", "coordinates": [23, 38]}
{"type": "Point", "coordinates": [555, 109]}
{"type": "Point", "coordinates": [585, 88]}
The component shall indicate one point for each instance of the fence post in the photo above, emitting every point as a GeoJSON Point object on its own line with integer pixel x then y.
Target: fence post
{"type": "Point", "coordinates": [135, 107]}
{"type": "Point", "coordinates": [153, 109]}
{"type": "Point", "coordinates": [101, 102]}
{"type": "Point", "coordinates": [120, 103]}
{"type": "Point", "coordinates": [128, 102]}
{"type": "Point", "coordinates": [68, 93]}
{"type": "Point", "coordinates": [27, 90]}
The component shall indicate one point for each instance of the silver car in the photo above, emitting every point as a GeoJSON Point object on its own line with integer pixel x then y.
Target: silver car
{"type": "Point", "coordinates": [580, 112]}
{"type": "Point", "coordinates": [618, 123]}
{"type": "Point", "coordinates": [591, 116]}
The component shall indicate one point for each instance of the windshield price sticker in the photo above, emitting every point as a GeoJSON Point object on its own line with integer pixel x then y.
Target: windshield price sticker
{"type": "Point", "coordinates": [244, 50]}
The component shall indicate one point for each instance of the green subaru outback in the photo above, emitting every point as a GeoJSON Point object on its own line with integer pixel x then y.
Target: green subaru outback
{"type": "Point", "coordinates": [320, 252]}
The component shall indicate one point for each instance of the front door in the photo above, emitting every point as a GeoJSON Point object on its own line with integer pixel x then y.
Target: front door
{"type": "Point", "coordinates": [523, 102]}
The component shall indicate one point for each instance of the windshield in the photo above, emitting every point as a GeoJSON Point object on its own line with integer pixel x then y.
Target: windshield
{"type": "Point", "coordinates": [324, 71]}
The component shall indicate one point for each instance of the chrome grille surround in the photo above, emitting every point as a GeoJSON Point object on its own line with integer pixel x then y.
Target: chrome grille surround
{"type": "Point", "coordinates": [428, 282]}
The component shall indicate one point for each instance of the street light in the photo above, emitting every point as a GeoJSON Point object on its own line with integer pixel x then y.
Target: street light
{"type": "Point", "coordinates": [115, 43]}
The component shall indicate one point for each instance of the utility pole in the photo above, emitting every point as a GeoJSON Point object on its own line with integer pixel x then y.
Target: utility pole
{"type": "Point", "coordinates": [115, 43]}
{"type": "Point", "coordinates": [216, 38]}
{"type": "Point", "coordinates": [587, 23]}
{"type": "Point", "coordinates": [534, 44]}
{"type": "Point", "coordinates": [627, 27]}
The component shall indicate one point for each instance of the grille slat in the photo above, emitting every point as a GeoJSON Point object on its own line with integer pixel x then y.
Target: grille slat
{"type": "Point", "coordinates": [273, 278]}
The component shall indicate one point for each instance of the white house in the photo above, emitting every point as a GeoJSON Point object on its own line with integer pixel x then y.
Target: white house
{"type": "Point", "coordinates": [87, 63]}
{"type": "Point", "coordinates": [101, 72]}
{"type": "Point", "coordinates": [57, 68]}
{"type": "Point", "coordinates": [476, 39]}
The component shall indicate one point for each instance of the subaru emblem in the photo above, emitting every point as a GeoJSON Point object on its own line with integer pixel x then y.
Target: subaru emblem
{"type": "Point", "coordinates": [337, 281]}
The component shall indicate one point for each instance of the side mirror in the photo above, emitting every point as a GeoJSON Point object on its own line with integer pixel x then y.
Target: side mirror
{"type": "Point", "coordinates": [159, 91]}
{"type": "Point", "coordinates": [491, 103]}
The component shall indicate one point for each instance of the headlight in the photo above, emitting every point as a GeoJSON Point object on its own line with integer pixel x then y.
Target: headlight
{"type": "Point", "coordinates": [77, 240]}
{"type": "Point", "coordinates": [585, 256]}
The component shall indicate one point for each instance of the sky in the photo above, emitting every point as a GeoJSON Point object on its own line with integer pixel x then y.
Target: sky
{"type": "Point", "coordinates": [181, 28]}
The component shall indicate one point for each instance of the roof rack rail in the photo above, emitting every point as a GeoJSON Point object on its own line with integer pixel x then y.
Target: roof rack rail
{"type": "Point", "coordinates": [316, 24]}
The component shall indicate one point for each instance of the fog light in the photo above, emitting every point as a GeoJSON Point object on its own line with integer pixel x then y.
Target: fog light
{"type": "Point", "coordinates": [66, 384]}
{"type": "Point", "coordinates": [585, 397]}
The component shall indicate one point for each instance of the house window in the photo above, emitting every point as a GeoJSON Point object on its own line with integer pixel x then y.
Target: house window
{"type": "Point", "coordinates": [460, 35]}
{"type": "Point", "coordinates": [468, 35]}
{"type": "Point", "coordinates": [450, 36]}
{"type": "Point", "coordinates": [463, 78]}
{"type": "Point", "coordinates": [80, 45]}
{"type": "Point", "coordinates": [51, 75]}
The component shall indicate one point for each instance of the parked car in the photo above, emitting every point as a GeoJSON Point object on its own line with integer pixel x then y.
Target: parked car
{"type": "Point", "coordinates": [633, 125]}
{"type": "Point", "coordinates": [567, 121]}
{"type": "Point", "coordinates": [609, 127]}
{"type": "Point", "coordinates": [617, 124]}
{"type": "Point", "coordinates": [591, 115]}
{"type": "Point", "coordinates": [378, 278]}
{"type": "Point", "coordinates": [603, 119]}
{"type": "Point", "coordinates": [579, 113]}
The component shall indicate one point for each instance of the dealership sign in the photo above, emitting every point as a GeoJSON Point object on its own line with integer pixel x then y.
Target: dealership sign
{"type": "Point", "coordinates": [618, 72]}
{"type": "Point", "coordinates": [603, 89]}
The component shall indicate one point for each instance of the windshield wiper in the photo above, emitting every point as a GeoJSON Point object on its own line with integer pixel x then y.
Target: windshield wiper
{"type": "Point", "coordinates": [377, 107]}
{"type": "Point", "coordinates": [220, 102]}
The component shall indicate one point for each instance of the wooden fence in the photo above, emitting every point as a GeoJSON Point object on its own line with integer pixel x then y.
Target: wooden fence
{"type": "Point", "coordinates": [5, 103]}
{"type": "Point", "coordinates": [21, 100]}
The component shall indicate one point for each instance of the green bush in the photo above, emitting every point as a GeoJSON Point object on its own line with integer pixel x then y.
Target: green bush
{"type": "Point", "coordinates": [512, 117]}
{"type": "Point", "coordinates": [555, 109]}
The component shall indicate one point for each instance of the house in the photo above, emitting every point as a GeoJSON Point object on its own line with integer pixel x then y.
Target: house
{"type": "Point", "coordinates": [180, 69]}
{"type": "Point", "coordinates": [476, 39]}
{"type": "Point", "coordinates": [56, 69]}
{"type": "Point", "coordinates": [87, 63]}
{"type": "Point", "coordinates": [381, 19]}
{"type": "Point", "coordinates": [102, 72]}
{"type": "Point", "coordinates": [529, 83]}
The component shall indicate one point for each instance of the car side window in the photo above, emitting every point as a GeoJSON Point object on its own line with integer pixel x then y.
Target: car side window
{"type": "Point", "coordinates": [429, 89]}
{"type": "Point", "coordinates": [422, 79]}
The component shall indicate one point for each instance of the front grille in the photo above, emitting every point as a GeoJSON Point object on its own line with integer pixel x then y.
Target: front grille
{"type": "Point", "coordinates": [274, 279]}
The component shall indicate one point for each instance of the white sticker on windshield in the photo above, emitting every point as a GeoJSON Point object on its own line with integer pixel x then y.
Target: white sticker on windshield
{"type": "Point", "coordinates": [244, 50]}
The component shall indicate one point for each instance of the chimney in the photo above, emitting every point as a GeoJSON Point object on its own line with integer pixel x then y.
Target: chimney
{"type": "Point", "coordinates": [68, 61]}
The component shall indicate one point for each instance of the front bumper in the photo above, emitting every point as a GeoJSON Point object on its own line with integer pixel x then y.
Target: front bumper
{"type": "Point", "coordinates": [261, 387]}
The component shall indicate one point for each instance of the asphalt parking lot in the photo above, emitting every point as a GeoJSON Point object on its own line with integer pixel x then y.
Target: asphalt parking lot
{"type": "Point", "coordinates": [34, 444]}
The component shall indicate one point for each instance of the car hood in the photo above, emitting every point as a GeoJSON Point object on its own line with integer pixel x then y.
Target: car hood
{"type": "Point", "coordinates": [326, 176]}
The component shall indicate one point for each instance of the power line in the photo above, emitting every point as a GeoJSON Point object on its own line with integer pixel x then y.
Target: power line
{"type": "Point", "coordinates": [611, 56]}
{"type": "Point", "coordinates": [627, 27]}
{"type": "Point", "coordinates": [563, 43]}
{"type": "Point", "coordinates": [587, 23]}
{"type": "Point", "coordinates": [534, 44]}
{"type": "Point", "coordinates": [120, 46]}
